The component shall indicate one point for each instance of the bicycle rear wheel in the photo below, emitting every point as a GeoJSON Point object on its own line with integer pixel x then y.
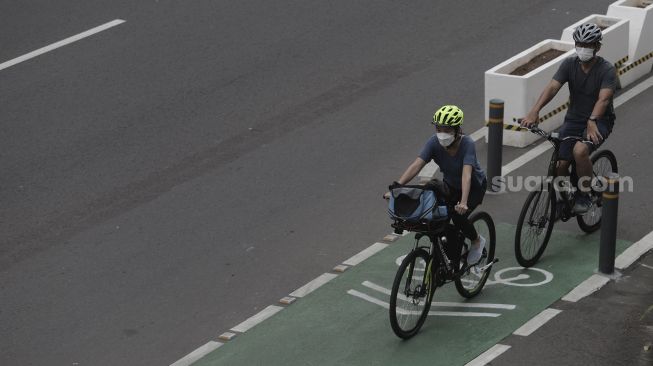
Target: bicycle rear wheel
{"type": "Point", "coordinates": [470, 283]}
{"type": "Point", "coordinates": [412, 292]}
{"type": "Point", "coordinates": [535, 225]}
{"type": "Point", "coordinates": [603, 163]}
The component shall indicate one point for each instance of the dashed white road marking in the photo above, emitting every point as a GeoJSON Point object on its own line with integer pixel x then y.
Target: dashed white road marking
{"type": "Point", "coordinates": [256, 319]}
{"type": "Point", "coordinates": [366, 253]}
{"type": "Point", "coordinates": [634, 252]}
{"type": "Point", "coordinates": [536, 322]}
{"type": "Point", "coordinates": [587, 287]}
{"type": "Point", "coordinates": [61, 43]}
{"type": "Point", "coordinates": [489, 355]}
{"type": "Point", "coordinates": [202, 351]}
{"type": "Point", "coordinates": [313, 285]}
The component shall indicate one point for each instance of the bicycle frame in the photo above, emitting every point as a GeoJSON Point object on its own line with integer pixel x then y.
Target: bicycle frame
{"type": "Point", "coordinates": [552, 170]}
{"type": "Point", "coordinates": [438, 255]}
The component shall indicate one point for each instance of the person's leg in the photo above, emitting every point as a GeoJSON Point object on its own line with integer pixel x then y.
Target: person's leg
{"type": "Point", "coordinates": [563, 168]}
{"type": "Point", "coordinates": [583, 166]}
{"type": "Point", "coordinates": [463, 224]}
{"type": "Point", "coordinates": [582, 152]}
{"type": "Point", "coordinates": [469, 231]}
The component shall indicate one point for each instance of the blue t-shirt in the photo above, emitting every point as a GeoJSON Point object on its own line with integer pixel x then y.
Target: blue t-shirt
{"type": "Point", "coordinates": [452, 166]}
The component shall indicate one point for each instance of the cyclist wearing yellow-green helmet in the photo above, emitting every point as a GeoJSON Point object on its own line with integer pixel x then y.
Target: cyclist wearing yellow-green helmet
{"type": "Point", "coordinates": [465, 181]}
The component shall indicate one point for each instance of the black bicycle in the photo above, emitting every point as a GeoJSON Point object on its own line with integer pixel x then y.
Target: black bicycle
{"type": "Point", "coordinates": [543, 206]}
{"type": "Point", "coordinates": [438, 257]}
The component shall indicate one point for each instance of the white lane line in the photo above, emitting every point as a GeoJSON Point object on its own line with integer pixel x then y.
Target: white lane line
{"type": "Point", "coordinates": [525, 158]}
{"type": "Point", "coordinates": [386, 291]}
{"type": "Point", "coordinates": [256, 319]}
{"type": "Point", "coordinates": [428, 171]}
{"type": "Point", "coordinates": [646, 266]}
{"type": "Point", "coordinates": [386, 306]}
{"type": "Point", "coordinates": [538, 150]}
{"type": "Point", "coordinates": [61, 43]}
{"type": "Point", "coordinates": [313, 285]}
{"type": "Point", "coordinates": [633, 92]}
{"type": "Point", "coordinates": [365, 253]}
{"type": "Point", "coordinates": [630, 255]}
{"type": "Point", "coordinates": [478, 134]}
{"type": "Point", "coordinates": [587, 287]}
{"type": "Point", "coordinates": [489, 355]}
{"type": "Point", "coordinates": [202, 351]}
{"type": "Point", "coordinates": [537, 321]}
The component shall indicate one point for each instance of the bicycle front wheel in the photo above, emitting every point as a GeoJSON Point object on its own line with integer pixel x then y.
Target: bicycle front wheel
{"type": "Point", "coordinates": [412, 292]}
{"type": "Point", "coordinates": [603, 163]}
{"type": "Point", "coordinates": [534, 226]}
{"type": "Point", "coordinates": [470, 283]}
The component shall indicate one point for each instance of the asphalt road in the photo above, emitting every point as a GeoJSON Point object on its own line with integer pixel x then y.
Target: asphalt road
{"type": "Point", "coordinates": [168, 178]}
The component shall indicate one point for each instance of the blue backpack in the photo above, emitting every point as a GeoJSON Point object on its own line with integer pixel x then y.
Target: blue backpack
{"type": "Point", "coordinates": [414, 204]}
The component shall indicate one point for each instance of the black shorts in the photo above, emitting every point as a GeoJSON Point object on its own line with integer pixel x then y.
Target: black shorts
{"type": "Point", "coordinates": [580, 129]}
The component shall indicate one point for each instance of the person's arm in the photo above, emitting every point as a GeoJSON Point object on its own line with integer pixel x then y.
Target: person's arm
{"type": "Point", "coordinates": [605, 96]}
{"type": "Point", "coordinates": [461, 207]}
{"type": "Point", "coordinates": [412, 171]}
{"type": "Point", "coordinates": [409, 174]}
{"type": "Point", "coordinates": [550, 91]}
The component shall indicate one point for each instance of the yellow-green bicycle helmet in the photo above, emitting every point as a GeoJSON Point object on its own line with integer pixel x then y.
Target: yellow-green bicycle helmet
{"type": "Point", "coordinates": [448, 115]}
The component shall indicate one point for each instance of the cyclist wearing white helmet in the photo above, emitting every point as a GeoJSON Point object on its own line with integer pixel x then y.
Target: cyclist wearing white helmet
{"type": "Point", "coordinates": [465, 181]}
{"type": "Point", "coordinates": [592, 82]}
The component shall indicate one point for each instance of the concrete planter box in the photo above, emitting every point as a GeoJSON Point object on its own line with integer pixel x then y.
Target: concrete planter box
{"type": "Point", "coordinates": [640, 39]}
{"type": "Point", "coordinates": [615, 36]}
{"type": "Point", "coordinates": [521, 92]}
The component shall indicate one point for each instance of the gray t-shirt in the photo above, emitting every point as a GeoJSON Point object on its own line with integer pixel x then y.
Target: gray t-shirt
{"type": "Point", "coordinates": [452, 166]}
{"type": "Point", "coordinates": [584, 88]}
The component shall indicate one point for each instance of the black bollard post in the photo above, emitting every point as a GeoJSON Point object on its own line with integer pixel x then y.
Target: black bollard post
{"type": "Point", "coordinates": [609, 224]}
{"type": "Point", "coordinates": [495, 143]}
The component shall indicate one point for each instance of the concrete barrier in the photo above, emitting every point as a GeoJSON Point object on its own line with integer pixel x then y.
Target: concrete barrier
{"type": "Point", "coordinates": [640, 39]}
{"type": "Point", "coordinates": [521, 92]}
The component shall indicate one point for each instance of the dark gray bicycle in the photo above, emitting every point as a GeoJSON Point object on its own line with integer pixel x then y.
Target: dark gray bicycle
{"type": "Point", "coordinates": [543, 206]}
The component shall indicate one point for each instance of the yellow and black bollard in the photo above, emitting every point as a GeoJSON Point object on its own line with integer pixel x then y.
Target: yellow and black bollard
{"type": "Point", "coordinates": [609, 224]}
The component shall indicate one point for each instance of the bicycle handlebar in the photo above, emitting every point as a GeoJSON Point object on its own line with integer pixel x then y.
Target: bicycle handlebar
{"type": "Point", "coordinates": [554, 136]}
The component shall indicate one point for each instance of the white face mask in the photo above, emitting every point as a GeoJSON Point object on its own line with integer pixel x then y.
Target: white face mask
{"type": "Point", "coordinates": [585, 54]}
{"type": "Point", "coordinates": [445, 138]}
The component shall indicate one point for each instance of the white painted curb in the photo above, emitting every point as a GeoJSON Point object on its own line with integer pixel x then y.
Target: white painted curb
{"type": "Point", "coordinates": [521, 92]}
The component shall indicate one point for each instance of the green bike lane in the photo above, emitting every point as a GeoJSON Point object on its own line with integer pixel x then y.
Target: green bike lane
{"type": "Point", "coordinates": [345, 321]}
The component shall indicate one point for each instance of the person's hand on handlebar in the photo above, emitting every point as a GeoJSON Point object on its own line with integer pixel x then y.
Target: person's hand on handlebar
{"type": "Point", "coordinates": [531, 119]}
{"type": "Point", "coordinates": [386, 196]}
{"type": "Point", "coordinates": [461, 208]}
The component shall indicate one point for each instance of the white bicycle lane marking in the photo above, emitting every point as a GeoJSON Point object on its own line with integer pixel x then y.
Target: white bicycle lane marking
{"type": "Point", "coordinates": [499, 279]}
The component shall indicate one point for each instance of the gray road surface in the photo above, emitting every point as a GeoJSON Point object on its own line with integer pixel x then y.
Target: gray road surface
{"type": "Point", "coordinates": [168, 178]}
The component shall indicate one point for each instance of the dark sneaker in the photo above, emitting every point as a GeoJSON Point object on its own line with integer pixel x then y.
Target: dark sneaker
{"type": "Point", "coordinates": [582, 204]}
